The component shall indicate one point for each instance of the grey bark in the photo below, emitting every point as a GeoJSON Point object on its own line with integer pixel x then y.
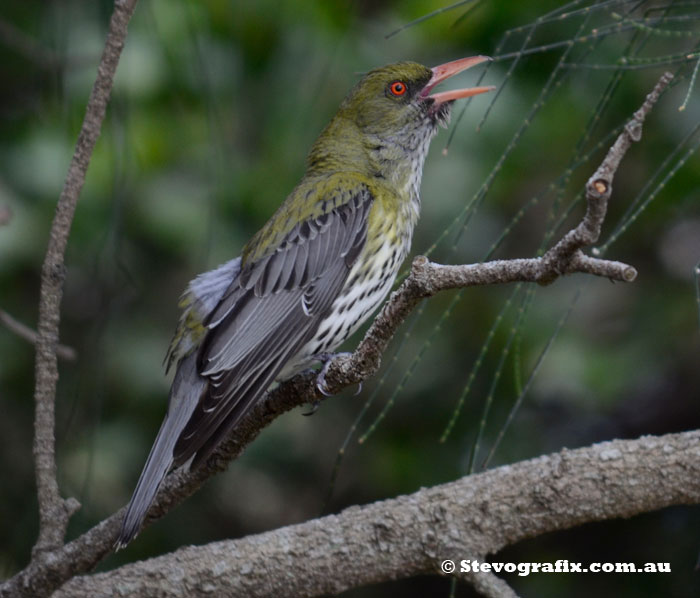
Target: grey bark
{"type": "Point", "coordinates": [55, 511]}
{"type": "Point", "coordinates": [470, 518]}
{"type": "Point", "coordinates": [22, 331]}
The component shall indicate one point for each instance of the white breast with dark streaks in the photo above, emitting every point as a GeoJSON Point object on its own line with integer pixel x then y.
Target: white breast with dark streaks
{"type": "Point", "coordinates": [364, 291]}
{"type": "Point", "coordinates": [375, 270]}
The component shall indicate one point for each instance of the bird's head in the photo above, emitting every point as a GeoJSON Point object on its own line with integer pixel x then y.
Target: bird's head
{"type": "Point", "coordinates": [398, 97]}
{"type": "Point", "coordinates": [385, 124]}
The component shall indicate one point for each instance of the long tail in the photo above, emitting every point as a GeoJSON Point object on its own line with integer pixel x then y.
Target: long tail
{"type": "Point", "coordinates": [184, 395]}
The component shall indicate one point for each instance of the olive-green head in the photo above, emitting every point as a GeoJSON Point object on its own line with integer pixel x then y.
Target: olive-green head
{"type": "Point", "coordinates": [390, 107]}
{"type": "Point", "coordinates": [389, 98]}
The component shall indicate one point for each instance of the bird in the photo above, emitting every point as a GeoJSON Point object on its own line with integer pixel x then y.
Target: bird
{"type": "Point", "coordinates": [309, 278]}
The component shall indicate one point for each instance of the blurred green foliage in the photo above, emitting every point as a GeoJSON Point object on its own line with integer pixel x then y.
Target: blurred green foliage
{"type": "Point", "coordinates": [214, 107]}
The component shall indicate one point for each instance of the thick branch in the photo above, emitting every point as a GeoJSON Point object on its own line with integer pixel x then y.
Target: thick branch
{"type": "Point", "coordinates": [410, 535]}
{"type": "Point", "coordinates": [54, 511]}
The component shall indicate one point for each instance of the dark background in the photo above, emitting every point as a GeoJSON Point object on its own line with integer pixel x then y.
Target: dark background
{"type": "Point", "coordinates": [214, 108]}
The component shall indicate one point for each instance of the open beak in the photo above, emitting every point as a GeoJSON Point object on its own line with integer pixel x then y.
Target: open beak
{"type": "Point", "coordinates": [447, 70]}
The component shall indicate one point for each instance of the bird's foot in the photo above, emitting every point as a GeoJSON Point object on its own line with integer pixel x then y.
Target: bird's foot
{"type": "Point", "coordinates": [326, 359]}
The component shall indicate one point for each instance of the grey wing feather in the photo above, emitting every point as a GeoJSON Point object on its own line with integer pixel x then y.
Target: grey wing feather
{"type": "Point", "coordinates": [271, 311]}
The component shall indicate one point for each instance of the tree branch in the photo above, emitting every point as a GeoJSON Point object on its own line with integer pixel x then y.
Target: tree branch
{"type": "Point", "coordinates": [54, 511]}
{"type": "Point", "coordinates": [473, 517]}
{"type": "Point", "coordinates": [40, 578]}
{"type": "Point", "coordinates": [489, 585]}
{"type": "Point", "coordinates": [427, 279]}
{"type": "Point", "coordinates": [25, 45]}
{"type": "Point", "coordinates": [5, 215]}
{"type": "Point", "coordinates": [25, 332]}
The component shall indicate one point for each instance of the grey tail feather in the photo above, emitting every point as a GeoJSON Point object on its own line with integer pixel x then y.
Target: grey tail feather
{"type": "Point", "coordinates": [184, 395]}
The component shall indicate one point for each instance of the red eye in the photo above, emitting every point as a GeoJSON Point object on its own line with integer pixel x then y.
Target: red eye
{"type": "Point", "coordinates": [398, 88]}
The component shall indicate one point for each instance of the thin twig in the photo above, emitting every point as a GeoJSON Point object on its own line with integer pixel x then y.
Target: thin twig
{"type": "Point", "coordinates": [5, 215]}
{"type": "Point", "coordinates": [45, 58]}
{"type": "Point", "coordinates": [54, 511]}
{"type": "Point", "coordinates": [25, 332]}
{"type": "Point", "coordinates": [26, 46]}
{"type": "Point", "coordinates": [489, 585]}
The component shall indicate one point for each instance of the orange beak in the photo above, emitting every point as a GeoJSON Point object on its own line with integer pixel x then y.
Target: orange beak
{"type": "Point", "coordinates": [447, 70]}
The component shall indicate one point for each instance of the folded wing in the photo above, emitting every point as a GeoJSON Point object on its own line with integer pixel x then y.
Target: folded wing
{"type": "Point", "coordinates": [267, 315]}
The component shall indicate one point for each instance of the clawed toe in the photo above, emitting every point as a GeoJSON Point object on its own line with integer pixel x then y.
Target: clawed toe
{"type": "Point", "coordinates": [326, 359]}
{"type": "Point", "coordinates": [314, 408]}
{"type": "Point", "coordinates": [321, 381]}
